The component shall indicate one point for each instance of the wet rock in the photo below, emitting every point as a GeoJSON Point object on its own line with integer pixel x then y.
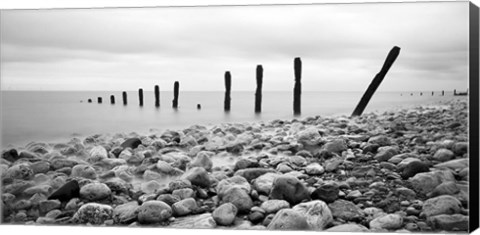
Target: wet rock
{"type": "Point", "coordinates": [97, 153]}
{"type": "Point", "coordinates": [184, 207]}
{"type": "Point", "coordinates": [244, 163]}
{"type": "Point", "coordinates": [353, 195]}
{"type": "Point", "coordinates": [168, 198]}
{"type": "Point", "coordinates": [41, 189]}
{"type": "Point", "coordinates": [253, 173]}
{"type": "Point", "coordinates": [84, 171]}
{"type": "Point", "coordinates": [184, 193]}
{"type": "Point", "coordinates": [273, 206]}
{"type": "Point", "coordinates": [150, 187]}
{"type": "Point", "coordinates": [126, 213]}
{"type": "Point", "coordinates": [456, 222]}
{"type": "Point", "coordinates": [445, 188]}
{"type": "Point", "coordinates": [152, 212]}
{"type": "Point", "coordinates": [202, 221]}
{"type": "Point", "coordinates": [238, 197]}
{"type": "Point", "coordinates": [95, 191]}
{"type": "Point", "coordinates": [225, 214]}
{"type": "Point", "coordinates": [40, 167]}
{"type": "Point", "coordinates": [347, 228]}
{"type": "Point", "coordinates": [228, 183]}
{"type": "Point", "coordinates": [346, 210]}
{"type": "Point", "coordinates": [263, 184]}
{"type": "Point", "coordinates": [62, 162]}
{"type": "Point", "coordinates": [48, 205]}
{"type": "Point", "coordinates": [363, 171]}
{"type": "Point", "coordinates": [198, 176]}
{"type": "Point", "coordinates": [336, 146]}
{"type": "Point", "coordinates": [414, 168]}
{"type": "Point", "coordinates": [289, 188]}
{"type": "Point", "coordinates": [453, 164]}
{"type": "Point", "coordinates": [389, 221]}
{"type": "Point", "coordinates": [20, 171]}
{"type": "Point", "coordinates": [370, 148]}
{"type": "Point", "coordinates": [283, 168]}
{"type": "Point", "coordinates": [460, 148]}
{"type": "Point", "coordinates": [333, 163]}
{"type": "Point", "coordinates": [68, 191]}
{"type": "Point", "coordinates": [443, 155]}
{"type": "Point", "coordinates": [10, 155]}
{"type": "Point", "coordinates": [385, 153]}
{"type": "Point", "coordinates": [17, 187]}
{"type": "Point", "coordinates": [317, 213]}
{"type": "Point", "coordinates": [309, 137]}
{"type": "Point", "coordinates": [402, 164]}
{"type": "Point", "coordinates": [426, 182]}
{"type": "Point", "coordinates": [380, 140]}
{"type": "Point", "coordinates": [179, 184]}
{"type": "Point", "coordinates": [288, 219]}
{"type": "Point", "coordinates": [93, 213]}
{"type": "Point", "coordinates": [314, 169]}
{"type": "Point", "coordinates": [132, 143]}
{"type": "Point", "coordinates": [444, 204]}
{"type": "Point", "coordinates": [327, 192]}
{"type": "Point", "coordinates": [202, 160]}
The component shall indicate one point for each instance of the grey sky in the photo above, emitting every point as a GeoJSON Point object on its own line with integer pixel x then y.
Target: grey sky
{"type": "Point", "coordinates": [342, 47]}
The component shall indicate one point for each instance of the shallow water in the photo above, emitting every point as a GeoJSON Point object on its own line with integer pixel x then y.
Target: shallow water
{"type": "Point", "coordinates": [58, 116]}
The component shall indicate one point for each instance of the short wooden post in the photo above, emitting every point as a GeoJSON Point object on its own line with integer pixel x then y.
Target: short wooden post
{"type": "Point", "coordinates": [432, 93]}
{"type": "Point", "coordinates": [124, 96]}
{"type": "Point", "coordinates": [140, 96]}
{"type": "Point", "coordinates": [99, 99]}
{"type": "Point", "coordinates": [392, 56]}
{"type": "Point", "coordinates": [157, 96]}
{"type": "Point", "coordinates": [258, 92]}
{"type": "Point", "coordinates": [421, 93]}
{"type": "Point", "coordinates": [89, 100]}
{"type": "Point", "coordinates": [443, 93]}
{"type": "Point", "coordinates": [228, 86]}
{"type": "Point", "coordinates": [297, 89]}
{"type": "Point", "coordinates": [199, 106]}
{"type": "Point", "coordinates": [454, 91]}
{"type": "Point", "coordinates": [176, 86]}
{"type": "Point", "coordinates": [112, 99]}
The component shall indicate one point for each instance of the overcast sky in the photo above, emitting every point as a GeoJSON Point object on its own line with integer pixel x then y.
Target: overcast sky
{"type": "Point", "coordinates": [342, 47]}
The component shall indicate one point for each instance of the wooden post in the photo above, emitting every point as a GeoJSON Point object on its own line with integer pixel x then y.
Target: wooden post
{"type": "Point", "coordinates": [297, 89]}
{"type": "Point", "coordinates": [140, 96]}
{"type": "Point", "coordinates": [157, 96]}
{"type": "Point", "coordinates": [124, 96]}
{"type": "Point", "coordinates": [258, 92]}
{"type": "Point", "coordinates": [454, 91]}
{"type": "Point", "coordinates": [432, 93]}
{"type": "Point", "coordinates": [199, 106]}
{"type": "Point", "coordinates": [112, 99]}
{"type": "Point", "coordinates": [392, 56]}
{"type": "Point", "coordinates": [176, 86]}
{"type": "Point", "coordinates": [99, 99]}
{"type": "Point", "coordinates": [443, 93]}
{"type": "Point", "coordinates": [228, 86]}
{"type": "Point", "coordinates": [421, 93]}
{"type": "Point", "coordinates": [89, 100]}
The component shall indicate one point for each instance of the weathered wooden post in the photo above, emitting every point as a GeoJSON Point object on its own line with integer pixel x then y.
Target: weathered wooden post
{"type": "Point", "coordinates": [297, 89]}
{"type": "Point", "coordinates": [454, 91]}
{"type": "Point", "coordinates": [99, 99]}
{"type": "Point", "coordinates": [124, 96]}
{"type": "Point", "coordinates": [199, 106]}
{"type": "Point", "coordinates": [421, 93]}
{"type": "Point", "coordinates": [176, 86]}
{"type": "Point", "coordinates": [258, 92]}
{"type": "Point", "coordinates": [392, 56]}
{"type": "Point", "coordinates": [443, 93]}
{"type": "Point", "coordinates": [432, 93]}
{"type": "Point", "coordinates": [89, 100]}
{"type": "Point", "coordinates": [140, 96]}
{"type": "Point", "coordinates": [228, 86]}
{"type": "Point", "coordinates": [112, 99]}
{"type": "Point", "coordinates": [157, 96]}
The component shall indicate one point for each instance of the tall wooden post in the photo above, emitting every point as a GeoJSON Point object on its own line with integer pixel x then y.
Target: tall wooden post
{"type": "Point", "coordinates": [258, 92]}
{"type": "Point", "coordinates": [140, 96]}
{"type": "Point", "coordinates": [297, 89]}
{"type": "Point", "coordinates": [176, 86]}
{"type": "Point", "coordinates": [157, 96]}
{"type": "Point", "coordinates": [392, 56]}
{"type": "Point", "coordinates": [99, 99]}
{"type": "Point", "coordinates": [124, 96]}
{"type": "Point", "coordinates": [228, 86]}
{"type": "Point", "coordinates": [112, 99]}
{"type": "Point", "coordinates": [454, 91]}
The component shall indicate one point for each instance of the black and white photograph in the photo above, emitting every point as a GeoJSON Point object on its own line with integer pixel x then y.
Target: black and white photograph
{"type": "Point", "coordinates": [351, 117]}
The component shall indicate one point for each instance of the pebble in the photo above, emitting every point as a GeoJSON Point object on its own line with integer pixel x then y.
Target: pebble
{"type": "Point", "coordinates": [317, 214]}
{"type": "Point", "coordinates": [346, 210]}
{"type": "Point", "coordinates": [289, 188]}
{"type": "Point", "coordinates": [184, 207]}
{"type": "Point", "coordinates": [389, 221]}
{"type": "Point", "coordinates": [198, 176]}
{"type": "Point", "coordinates": [327, 192]}
{"type": "Point", "coordinates": [274, 205]}
{"type": "Point", "coordinates": [288, 219]}
{"type": "Point", "coordinates": [95, 191]}
{"type": "Point", "coordinates": [126, 213]}
{"type": "Point", "coordinates": [93, 213]}
{"type": "Point", "coordinates": [153, 212]}
{"type": "Point", "coordinates": [444, 204]}
{"type": "Point", "coordinates": [443, 155]}
{"type": "Point", "coordinates": [225, 214]}
{"type": "Point", "coordinates": [238, 197]}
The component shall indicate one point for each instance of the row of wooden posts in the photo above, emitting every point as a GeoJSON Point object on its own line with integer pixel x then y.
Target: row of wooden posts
{"type": "Point", "coordinates": [297, 90]}
{"type": "Point", "coordinates": [455, 93]}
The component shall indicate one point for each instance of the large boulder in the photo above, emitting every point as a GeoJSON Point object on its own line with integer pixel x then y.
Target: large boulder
{"type": "Point", "coordinates": [444, 204]}
{"type": "Point", "coordinates": [225, 214]}
{"type": "Point", "coordinates": [289, 219]}
{"type": "Point", "coordinates": [152, 212]}
{"type": "Point", "coordinates": [289, 188]}
{"type": "Point", "coordinates": [317, 213]}
{"type": "Point", "coordinates": [93, 213]}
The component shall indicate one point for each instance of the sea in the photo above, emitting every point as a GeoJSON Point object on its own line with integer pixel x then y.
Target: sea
{"type": "Point", "coordinates": [58, 116]}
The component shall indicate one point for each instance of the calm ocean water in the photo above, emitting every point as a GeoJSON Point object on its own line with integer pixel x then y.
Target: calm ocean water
{"type": "Point", "coordinates": [58, 116]}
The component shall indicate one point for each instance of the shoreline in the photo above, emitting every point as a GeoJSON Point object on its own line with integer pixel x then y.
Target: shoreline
{"type": "Point", "coordinates": [368, 172]}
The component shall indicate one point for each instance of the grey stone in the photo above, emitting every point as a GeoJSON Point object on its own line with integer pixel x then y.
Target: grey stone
{"type": "Point", "coordinates": [444, 204]}
{"type": "Point", "coordinates": [95, 191]}
{"type": "Point", "coordinates": [288, 219]}
{"type": "Point", "coordinates": [289, 188]}
{"type": "Point", "coordinates": [225, 214]}
{"type": "Point", "coordinates": [274, 205]}
{"type": "Point", "coordinates": [317, 213]}
{"type": "Point", "coordinates": [389, 221]}
{"type": "Point", "coordinates": [93, 213]}
{"type": "Point", "coordinates": [184, 207]}
{"type": "Point", "coordinates": [153, 212]}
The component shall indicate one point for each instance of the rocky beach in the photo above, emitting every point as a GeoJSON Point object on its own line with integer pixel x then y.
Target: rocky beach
{"type": "Point", "coordinates": [400, 171]}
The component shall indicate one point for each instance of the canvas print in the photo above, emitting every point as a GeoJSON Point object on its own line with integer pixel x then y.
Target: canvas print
{"type": "Point", "coordinates": [323, 117]}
